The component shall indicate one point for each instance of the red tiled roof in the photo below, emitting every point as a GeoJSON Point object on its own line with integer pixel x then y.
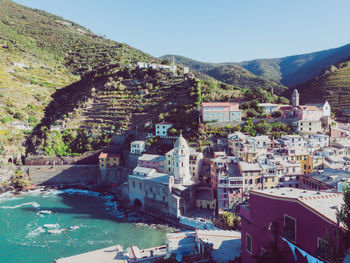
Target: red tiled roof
{"type": "Point", "coordinates": [164, 123]}
{"type": "Point", "coordinates": [108, 155]}
{"type": "Point", "coordinates": [312, 108]}
{"type": "Point", "coordinates": [286, 108]}
{"type": "Point", "coordinates": [102, 155]}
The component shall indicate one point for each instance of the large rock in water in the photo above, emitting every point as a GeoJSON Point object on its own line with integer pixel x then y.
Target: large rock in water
{"type": "Point", "coordinates": [6, 172]}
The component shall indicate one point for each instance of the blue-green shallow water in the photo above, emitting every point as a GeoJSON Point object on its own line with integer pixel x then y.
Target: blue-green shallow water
{"type": "Point", "coordinates": [86, 221]}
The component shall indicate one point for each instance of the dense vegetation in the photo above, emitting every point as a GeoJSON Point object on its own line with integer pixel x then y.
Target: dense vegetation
{"type": "Point", "coordinates": [333, 84]}
{"type": "Point", "coordinates": [116, 101]}
{"type": "Point", "coordinates": [39, 54]}
{"type": "Point", "coordinates": [240, 77]}
{"type": "Point", "coordinates": [230, 74]}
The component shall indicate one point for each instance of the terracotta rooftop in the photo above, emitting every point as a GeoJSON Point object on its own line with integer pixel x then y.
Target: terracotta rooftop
{"type": "Point", "coordinates": [164, 123]}
{"type": "Point", "coordinates": [312, 108]}
{"type": "Point", "coordinates": [102, 155]}
{"type": "Point", "coordinates": [108, 155]}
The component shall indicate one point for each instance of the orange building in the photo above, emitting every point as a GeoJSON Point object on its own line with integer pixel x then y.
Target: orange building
{"type": "Point", "coordinates": [107, 160]}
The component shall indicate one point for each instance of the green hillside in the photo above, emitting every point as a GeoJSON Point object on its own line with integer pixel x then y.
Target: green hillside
{"type": "Point", "coordinates": [288, 71]}
{"type": "Point", "coordinates": [332, 85]}
{"type": "Point", "coordinates": [293, 70]}
{"type": "Point", "coordinates": [227, 73]}
{"type": "Point", "coordinates": [240, 77]}
{"type": "Point", "coordinates": [39, 54]}
{"type": "Point", "coordinates": [191, 63]}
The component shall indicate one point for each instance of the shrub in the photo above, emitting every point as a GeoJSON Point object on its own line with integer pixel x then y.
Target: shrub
{"type": "Point", "coordinates": [228, 221]}
{"type": "Point", "coordinates": [20, 180]}
{"type": "Point", "coordinates": [277, 114]}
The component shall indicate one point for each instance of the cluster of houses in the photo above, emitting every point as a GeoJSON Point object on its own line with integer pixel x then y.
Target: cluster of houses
{"type": "Point", "coordinates": [303, 118]}
{"type": "Point", "coordinates": [286, 190]}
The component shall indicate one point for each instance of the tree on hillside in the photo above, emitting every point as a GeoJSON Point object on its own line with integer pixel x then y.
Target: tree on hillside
{"type": "Point", "coordinates": [263, 127]}
{"type": "Point", "coordinates": [249, 127]}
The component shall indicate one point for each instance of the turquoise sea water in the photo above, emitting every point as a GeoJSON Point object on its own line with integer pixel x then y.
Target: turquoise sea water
{"type": "Point", "coordinates": [80, 220]}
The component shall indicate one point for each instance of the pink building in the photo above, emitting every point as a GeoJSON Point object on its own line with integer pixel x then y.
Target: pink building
{"type": "Point", "coordinates": [251, 175]}
{"type": "Point", "coordinates": [152, 161]}
{"type": "Point", "coordinates": [221, 111]}
{"type": "Point", "coordinates": [294, 221]}
{"type": "Point", "coordinates": [302, 112]}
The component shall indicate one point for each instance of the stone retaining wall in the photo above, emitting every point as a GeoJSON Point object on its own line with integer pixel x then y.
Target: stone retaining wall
{"type": "Point", "coordinates": [63, 174]}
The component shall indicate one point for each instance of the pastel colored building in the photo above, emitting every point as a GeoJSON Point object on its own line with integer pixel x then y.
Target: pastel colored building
{"type": "Point", "coordinates": [162, 128]}
{"type": "Point", "coordinates": [329, 179]}
{"type": "Point", "coordinates": [196, 159]}
{"type": "Point", "coordinates": [229, 185]}
{"type": "Point", "coordinates": [152, 161]}
{"type": "Point", "coordinates": [221, 111]}
{"type": "Point", "coordinates": [138, 147]}
{"type": "Point", "coordinates": [251, 174]}
{"type": "Point", "coordinates": [292, 140]}
{"type": "Point", "coordinates": [307, 126]}
{"type": "Point", "coordinates": [269, 108]}
{"type": "Point", "coordinates": [337, 133]}
{"type": "Point", "coordinates": [317, 140]}
{"type": "Point", "coordinates": [206, 198]}
{"type": "Point", "coordinates": [295, 221]}
{"type": "Point", "coordinates": [108, 160]}
{"type": "Point", "coordinates": [305, 112]}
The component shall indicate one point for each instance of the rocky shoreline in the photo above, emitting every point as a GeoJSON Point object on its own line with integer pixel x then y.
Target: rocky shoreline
{"type": "Point", "coordinates": [140, 218]}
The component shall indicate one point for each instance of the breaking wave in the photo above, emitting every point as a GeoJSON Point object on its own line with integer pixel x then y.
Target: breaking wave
{"type": "Point", "coordinates": [33, 204]}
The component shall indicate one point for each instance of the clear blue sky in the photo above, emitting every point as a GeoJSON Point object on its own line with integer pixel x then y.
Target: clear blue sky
{"type": "Point", "coordinates": [212, 30]}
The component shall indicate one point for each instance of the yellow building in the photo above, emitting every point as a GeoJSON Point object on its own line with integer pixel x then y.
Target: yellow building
{"type": "Point", "coordinates": [305, 160]}
{"type": "Point", "coordinates": [205, 198]}
{"type": "Point", "coordinates": [270, 181]}
{"type": "Point", "coordinates": [107, 160]}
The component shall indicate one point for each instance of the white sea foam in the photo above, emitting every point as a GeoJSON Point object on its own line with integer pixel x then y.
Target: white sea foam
{"type": "Point", "coordinates": [35, 232]}
{"type": "Point", "coordinates": [34, 204]}
{"type": "Point", "coordinates": [51, 225]}
{"type": "Point", "coordinates": [74, 227]}
{"type": "Point", "coordinates": [44, 212]}
{"type": "Point", "coordinates": [55, 231]}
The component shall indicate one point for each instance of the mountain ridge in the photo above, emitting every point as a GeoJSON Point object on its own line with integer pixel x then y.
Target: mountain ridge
{"type": "Point", "coordinates": [289, 70]}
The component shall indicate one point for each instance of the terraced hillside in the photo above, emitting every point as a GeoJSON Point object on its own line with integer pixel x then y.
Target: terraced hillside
{"type": "Point", "coordinates": [119, 102]}
{"type": "Point", "coordinates": [41, 53]}
{"type": "Point", "coordinates": [332, 85]}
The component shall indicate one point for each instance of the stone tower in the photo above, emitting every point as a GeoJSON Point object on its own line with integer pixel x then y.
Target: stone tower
{"type": "Point", "coordinates": [181, 161]}
{"type": "Point", "coordinates": [295, 98]}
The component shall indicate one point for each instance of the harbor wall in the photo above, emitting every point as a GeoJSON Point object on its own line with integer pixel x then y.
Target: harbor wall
{"type": "Point", "coordinates": [62, 174]}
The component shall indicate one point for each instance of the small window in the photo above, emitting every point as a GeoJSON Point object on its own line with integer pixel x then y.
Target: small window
{"type": "Point", "coordinates": [133, 184]}
{"type": "Point", "coordinates": [323, 249]}
{"type": "Point", "coordinates": [290, 228]}
{"type": "Point", "coordinates": [249, 243]}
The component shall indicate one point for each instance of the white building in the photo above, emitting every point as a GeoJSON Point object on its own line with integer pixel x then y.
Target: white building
{"type": "Point", "coordinates": [292, 140]}
{"type": "Point", "coordinates": [138, 147]}
{"type": "Point", "coordinates": [180, 161]}
{"type": "Point", "coordinates": [173, 193]}
{"type": "Point", "coordinates": [162, 128]}
{"type": "Point", "coordinates": [317, 140]}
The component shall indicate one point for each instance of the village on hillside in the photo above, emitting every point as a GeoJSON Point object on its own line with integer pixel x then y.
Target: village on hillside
{"type": "Point", "coordinates": [274, 185]}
